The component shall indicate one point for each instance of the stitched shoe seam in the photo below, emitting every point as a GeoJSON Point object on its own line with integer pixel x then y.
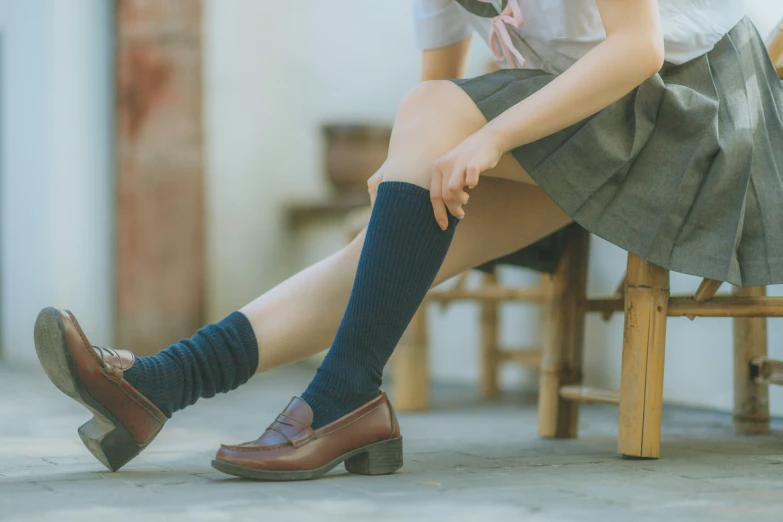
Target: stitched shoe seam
{"type": "Point", "coordinates": [262, 448]}
{"type": "Point", "coordinates": [258, 448]}
{"type": "Point", "coordinates": [103, 372]}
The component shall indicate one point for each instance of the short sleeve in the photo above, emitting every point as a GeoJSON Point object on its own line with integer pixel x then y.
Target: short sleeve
{"type": "Point", "coordinates": [439, 23]}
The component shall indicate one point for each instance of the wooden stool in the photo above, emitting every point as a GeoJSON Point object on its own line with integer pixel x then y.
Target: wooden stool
{"type": "Point", "coordinates": [410, 363]}
{"type": "Point", "coordinates": [776, 49]}
{"type": "Point", "coordinates": [644, 297]}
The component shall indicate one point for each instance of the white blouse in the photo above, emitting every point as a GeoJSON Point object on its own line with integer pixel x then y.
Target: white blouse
{"type": "Point", "coordinates": [553, 34]}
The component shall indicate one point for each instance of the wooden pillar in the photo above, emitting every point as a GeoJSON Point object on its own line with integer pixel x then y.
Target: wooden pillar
{"type": "Point", "coordinates": [490, 356]}
{"type": "Point", "coordinates": [644, 342]}
{"type": "Point", "coordinates": [751, 400]}
{"type": "Point", "coordinates": [776, 50]}
{"type": "Point", "coordinates": [564, 339]}
{"type": "Point", "coordinates": [160, 243]}
{"type": "Point", "coordinates": [410, 366]}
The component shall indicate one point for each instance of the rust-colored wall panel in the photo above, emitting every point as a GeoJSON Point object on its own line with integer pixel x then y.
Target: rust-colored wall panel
{"type": "Point", "coordinates": [160, 233]}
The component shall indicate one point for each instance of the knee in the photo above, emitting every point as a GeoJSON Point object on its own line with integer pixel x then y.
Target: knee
{"type": "Point", "coordinates": [437, 111]}
{"type": "Point", "coordinates": [433, 118]}
{"type": "Point", "coordinates": [430, 99]}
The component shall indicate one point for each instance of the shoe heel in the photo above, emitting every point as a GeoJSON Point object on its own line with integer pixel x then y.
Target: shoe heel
{"type": "Point", "coordinates": [380, 458]}
{"type": "Point", "coordinates": [109, 442]}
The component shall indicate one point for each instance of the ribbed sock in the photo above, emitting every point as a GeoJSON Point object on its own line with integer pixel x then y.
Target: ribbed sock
{"type": "Point", "coordinates": [218, 359]}
{"type": "Point", "coordinates": [403, 250]}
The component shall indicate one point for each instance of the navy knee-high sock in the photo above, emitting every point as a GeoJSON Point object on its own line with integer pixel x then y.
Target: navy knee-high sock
{"type": "Point", "coordinates": [403, 250]}
{"type": "Point", "coordinates": [217, 359]}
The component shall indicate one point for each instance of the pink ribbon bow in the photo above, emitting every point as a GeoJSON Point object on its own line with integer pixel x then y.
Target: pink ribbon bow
{"type": "Point", "coordinates": [500, 40]}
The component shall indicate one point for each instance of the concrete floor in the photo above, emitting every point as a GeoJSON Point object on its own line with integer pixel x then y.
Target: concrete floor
{"type": "Point", "coordinates": [464, 461]}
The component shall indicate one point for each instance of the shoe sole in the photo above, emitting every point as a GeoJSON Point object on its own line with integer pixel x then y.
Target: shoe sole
{"type": "Point", "coordinates": [104, 436]}
{"type": "Point", "coordinates": [381, 458]}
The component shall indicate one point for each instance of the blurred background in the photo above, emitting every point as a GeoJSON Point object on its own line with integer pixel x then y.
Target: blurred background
{"type": "Point", "coordinates": [166, 161]}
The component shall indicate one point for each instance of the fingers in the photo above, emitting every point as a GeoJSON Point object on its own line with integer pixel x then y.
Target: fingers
{"type": "Point", "coordinates": [436, 196]}
{"type": "Point", "coordinates": [453, 194]}
{"type": "Point", "coordinates": [472, 176]}
{"type": "Point", "coordinates": [452, 186]}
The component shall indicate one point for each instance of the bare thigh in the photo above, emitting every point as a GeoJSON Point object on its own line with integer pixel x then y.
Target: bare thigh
{"type": "Point", "coordinates": [503, 216]}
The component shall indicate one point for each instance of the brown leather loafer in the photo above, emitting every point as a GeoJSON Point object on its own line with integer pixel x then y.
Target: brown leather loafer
{"type": "Point", "coordinates": [125, 422]}
{"type": "Point", "coordinates": [367, 439]}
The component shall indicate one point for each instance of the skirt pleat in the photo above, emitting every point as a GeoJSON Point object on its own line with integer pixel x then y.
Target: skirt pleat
{"type": "Point", "coordinates": [686, 171]}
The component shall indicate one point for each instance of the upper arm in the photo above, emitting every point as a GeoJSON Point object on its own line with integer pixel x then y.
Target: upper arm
{"type": "Point", "coordinates": [637, 20]}
{"type": "Point", "coordinates": [439, 23]}
{"type": "Point", "coordinates": [445, 62]}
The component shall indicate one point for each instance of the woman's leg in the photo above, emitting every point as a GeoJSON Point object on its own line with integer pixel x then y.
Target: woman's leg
{"type": "Point", "coordinates": [403, 251]}
{"type": "Point", "coordinates": [300, 316]}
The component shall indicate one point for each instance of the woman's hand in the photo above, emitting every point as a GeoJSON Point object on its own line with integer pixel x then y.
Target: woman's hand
{"type": "Point", "coordinates": [460, 168]}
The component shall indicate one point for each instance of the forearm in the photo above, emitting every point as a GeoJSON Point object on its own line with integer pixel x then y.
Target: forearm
{"type": "Point", "coordinates": [445, 62]}
{"type": "Point", "coordinates": [607, 73]}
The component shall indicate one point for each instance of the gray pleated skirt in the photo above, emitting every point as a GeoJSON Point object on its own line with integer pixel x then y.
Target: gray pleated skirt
{"type": "Point", "coordinates": [686, 171]}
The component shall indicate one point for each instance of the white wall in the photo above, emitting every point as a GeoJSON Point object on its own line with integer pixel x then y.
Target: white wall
{"type": "Point", "coordinates": [272, 79]}
{"type": "Point", "coordinates": [56, 207]}
{"type": "Point", "coordinates": [766, 14]}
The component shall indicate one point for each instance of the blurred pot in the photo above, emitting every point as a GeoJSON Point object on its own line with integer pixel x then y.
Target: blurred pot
{"type": "Point", "coordinates": [354, 153]}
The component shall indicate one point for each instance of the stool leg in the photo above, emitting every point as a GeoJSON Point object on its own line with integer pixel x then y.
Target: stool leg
{"type": "Point", "coordinates": [490, 360]}
{"type": "Point", "coordinates": [410, 366]}
{"type": "Point", "coordinates": [564, 338]}
{"type": "Point", "coordinates": [644, 343]}
{"type": "Point", "coordinates": [751, 400]}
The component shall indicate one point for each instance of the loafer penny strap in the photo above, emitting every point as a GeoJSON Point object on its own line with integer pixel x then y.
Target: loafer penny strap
{"type": "Point", "coordinates": [294, 431]}
{"type": "Point", "coordinates": [123, 361]}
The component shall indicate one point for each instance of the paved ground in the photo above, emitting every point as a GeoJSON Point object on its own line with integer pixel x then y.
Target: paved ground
{"type": "Point", "coordinates": [464, 461]}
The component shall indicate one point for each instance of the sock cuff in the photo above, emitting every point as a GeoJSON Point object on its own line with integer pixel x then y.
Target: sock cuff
{"type": "Point", "coordinates": [239, 322]}
{"type": "Point", "coordinates": [420, 195]}
{"type": "Point", "coordinates": [402, 187]}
